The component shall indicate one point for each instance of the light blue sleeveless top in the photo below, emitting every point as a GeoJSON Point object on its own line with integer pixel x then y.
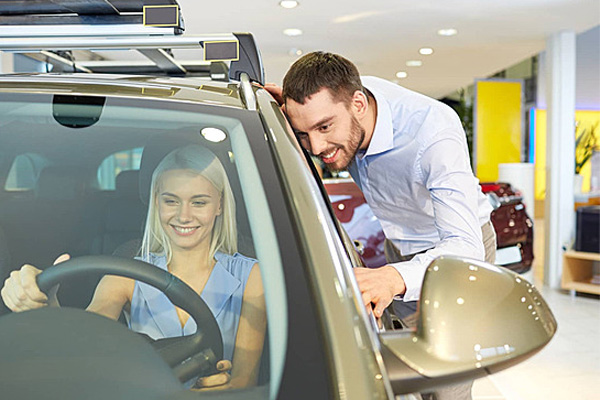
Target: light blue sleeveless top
{"type": "Point", "coordinates": [153, 314]}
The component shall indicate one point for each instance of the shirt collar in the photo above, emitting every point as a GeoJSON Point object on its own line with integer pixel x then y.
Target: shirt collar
{"type": "Point", "coordinates": [383, 135]}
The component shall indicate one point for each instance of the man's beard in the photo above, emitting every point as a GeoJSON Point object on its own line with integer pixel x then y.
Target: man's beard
{"type": "Point", "coordinates": [356, 139]}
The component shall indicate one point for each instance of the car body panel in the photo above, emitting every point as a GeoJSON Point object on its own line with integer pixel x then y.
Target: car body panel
{"type": "Point", "coordinates": [197, 90]}
{"type": "Point", "coordinates": [356, 367]}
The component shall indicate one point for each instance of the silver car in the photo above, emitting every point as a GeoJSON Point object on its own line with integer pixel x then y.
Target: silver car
{"type": "Point", "coordinates": [77, 151]}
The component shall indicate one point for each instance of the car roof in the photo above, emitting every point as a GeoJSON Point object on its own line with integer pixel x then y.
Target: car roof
{"type": "Point", "coordinates": [192, 89]}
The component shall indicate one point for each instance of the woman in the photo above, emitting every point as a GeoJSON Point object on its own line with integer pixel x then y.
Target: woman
{"type": "Point", "coordinates": [191, 232]}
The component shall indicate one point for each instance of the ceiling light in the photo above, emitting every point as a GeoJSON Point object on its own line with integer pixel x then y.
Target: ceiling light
{"type": "Point", "coordinates": [426, 51]}
{"type": "Point", "coordinates": [213, 134]}
{"type": "Point", "coordinates": [288, 3]}
{"type": "Point", "coordinates": [292, 32]}
{"type": "Point", "coordinates": [295, 52]}
{"type": "Point", "coordinates": [401, 74]}
{"type": "Point", "coordinates": [447, 32]}
{"type": "Point", "coordinates": [414, 63]}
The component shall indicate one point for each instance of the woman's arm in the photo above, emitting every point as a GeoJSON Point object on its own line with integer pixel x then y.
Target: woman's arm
{"type": "Point", "coordinates": [111, 295]}
{"type": "Point", "coordinates": [251, 333]}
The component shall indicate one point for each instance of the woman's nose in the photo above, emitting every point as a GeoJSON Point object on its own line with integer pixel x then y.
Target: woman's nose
{"type": "Point", "coordinates": [184, 214]}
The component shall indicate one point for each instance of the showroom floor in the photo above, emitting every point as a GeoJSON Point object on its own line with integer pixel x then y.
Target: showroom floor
{"type": "Point", "coordinates": [569, 367]}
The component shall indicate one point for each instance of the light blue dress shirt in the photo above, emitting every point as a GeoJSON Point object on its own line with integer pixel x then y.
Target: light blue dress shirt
{"type": "Point", "coordinates": [417, 179]}
{"type": "Point", "coordinates": [153, 313]}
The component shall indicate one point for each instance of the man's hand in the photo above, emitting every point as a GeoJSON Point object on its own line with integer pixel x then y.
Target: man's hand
{"type": "Point", "coordinates": [275, 91]}
{"type": "Point", "coordinates": [217, 381]}
{"type": "Point", "coordinates": [379, 286]}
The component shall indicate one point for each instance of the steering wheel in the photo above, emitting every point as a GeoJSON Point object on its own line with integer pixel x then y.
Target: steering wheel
{"type": "Point", "coordinates": [189, 356]}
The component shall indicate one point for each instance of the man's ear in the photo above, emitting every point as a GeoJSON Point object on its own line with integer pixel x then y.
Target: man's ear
{"type": "Point", "coordinates": [359, 104]}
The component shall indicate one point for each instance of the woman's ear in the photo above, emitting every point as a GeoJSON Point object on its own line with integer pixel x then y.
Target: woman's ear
{"type": "Point", "coordinates": [220, 209]}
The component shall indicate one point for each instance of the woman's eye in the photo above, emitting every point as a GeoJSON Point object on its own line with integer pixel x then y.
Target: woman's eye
{"type": "Point", "coordinates": [199, 203]}
{"type": "Point", "coordinates": [170, 201]}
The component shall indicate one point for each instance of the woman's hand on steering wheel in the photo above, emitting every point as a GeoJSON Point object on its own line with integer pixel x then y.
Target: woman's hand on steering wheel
{"type": "Point", "coordinates": [21, 292]}
{"type": "Point", "coordinates": [217, 381]}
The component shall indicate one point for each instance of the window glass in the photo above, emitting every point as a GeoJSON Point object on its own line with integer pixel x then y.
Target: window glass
{"type": "Point", "coordinates": [115, 163]}
{"type": "Point", "coordinates": [71, 168]}
{"type": "Point", "coordinates": [23, 173]}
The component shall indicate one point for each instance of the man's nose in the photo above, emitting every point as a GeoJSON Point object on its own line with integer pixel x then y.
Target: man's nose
{"type": "Point", "coordinates": [317, 144]}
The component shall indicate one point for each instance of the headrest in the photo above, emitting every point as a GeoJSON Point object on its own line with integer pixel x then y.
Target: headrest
{"type": "Point", "coordinates": [59, 183]}
{"type": "Point", "coordinates": [127, 184]}
{"type": "Point", "coordinates": [156, 149]}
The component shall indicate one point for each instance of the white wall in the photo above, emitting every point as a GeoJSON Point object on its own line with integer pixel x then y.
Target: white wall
{"type": "Point", "coordinates": [587, 72]}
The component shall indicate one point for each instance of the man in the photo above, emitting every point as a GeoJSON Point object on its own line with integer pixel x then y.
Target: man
{"type": "Point", "coordinates": [408, 154]}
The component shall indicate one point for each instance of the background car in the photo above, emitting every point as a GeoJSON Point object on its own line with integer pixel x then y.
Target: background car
{"type": "Point", "coordinates": [514, 228]}
{"type": "Point", "coordinates": [77, 151]}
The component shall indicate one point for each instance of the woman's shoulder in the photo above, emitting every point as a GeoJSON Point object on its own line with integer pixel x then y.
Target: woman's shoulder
{"type": "Point", "coordinates": [237, 264]}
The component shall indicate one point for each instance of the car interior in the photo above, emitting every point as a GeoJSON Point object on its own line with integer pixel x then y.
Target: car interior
{"type": "Point", "coordinates": [84, 191]}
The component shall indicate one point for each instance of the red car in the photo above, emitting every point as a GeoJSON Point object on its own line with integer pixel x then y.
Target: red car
{"type": "Point", "coordinates": [514, 228]}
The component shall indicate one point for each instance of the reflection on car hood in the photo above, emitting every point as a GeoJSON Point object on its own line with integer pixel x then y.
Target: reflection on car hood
{"type": "Point", "coordinates": [198, 90]}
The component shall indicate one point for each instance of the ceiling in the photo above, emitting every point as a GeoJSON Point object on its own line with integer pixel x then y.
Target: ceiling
{"type": "Point", "coordinates": [379, 36]}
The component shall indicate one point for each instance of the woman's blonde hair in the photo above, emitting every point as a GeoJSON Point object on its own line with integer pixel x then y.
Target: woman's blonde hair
{"type": "Point", "coordinates": [205, 163]}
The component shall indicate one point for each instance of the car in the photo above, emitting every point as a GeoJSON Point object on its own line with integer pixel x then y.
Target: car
{"type": "Point", "coordinates": [77, 152]}
{"type": "Point", "coordinates": [514, 228]}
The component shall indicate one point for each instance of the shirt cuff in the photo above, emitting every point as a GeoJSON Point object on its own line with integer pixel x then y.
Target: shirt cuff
{"type": "Point", "coordinates": [413, 274]}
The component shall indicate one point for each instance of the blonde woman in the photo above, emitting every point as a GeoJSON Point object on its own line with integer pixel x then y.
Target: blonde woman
{"type": "Point", "coordinates": [191, 232]}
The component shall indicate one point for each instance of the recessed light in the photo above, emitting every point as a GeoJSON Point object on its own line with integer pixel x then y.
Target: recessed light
{"type": "Point", "coordinates": [414, 63]}
{"type": "Point", "coordinates": [292, 32]}
{"type": "Point", "coordinates": [447, 32]}
{"type": "Point", "coordinates": [288, 3]}
{"type": "Point", "coordinates": [401, 74]}
{"type": "Point", "coordinates": [426, 51]}
{"type": "Point", "coordinates": [295, 52]}
{"type": "Point", "coordinates": [213, 134]}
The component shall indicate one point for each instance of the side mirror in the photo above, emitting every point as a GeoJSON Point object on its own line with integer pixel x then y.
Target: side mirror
{"type": "Point", "coordinates": [474, 319]}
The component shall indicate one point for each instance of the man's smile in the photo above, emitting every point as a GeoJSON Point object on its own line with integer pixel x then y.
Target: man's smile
{"type": "Point", "coordinates": [329, 157]}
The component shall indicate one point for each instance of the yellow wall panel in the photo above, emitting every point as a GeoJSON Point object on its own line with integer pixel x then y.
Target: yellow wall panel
{"type": "Point", "coordinates": [586, 119]}
{"type": "Point", "coordinates": [498, 123]}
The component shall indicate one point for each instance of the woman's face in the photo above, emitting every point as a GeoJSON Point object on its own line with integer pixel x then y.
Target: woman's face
{"type": "Point", "coordinates": [187, 206]}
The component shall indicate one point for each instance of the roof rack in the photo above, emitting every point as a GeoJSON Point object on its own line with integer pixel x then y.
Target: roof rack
{"type": "Point", "coordinates": [152, 27]}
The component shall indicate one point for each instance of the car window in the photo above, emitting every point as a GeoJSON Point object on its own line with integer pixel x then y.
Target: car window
{"type": "Point", "coordinates": [24, 172]}
{"type": "Point", "coordinates": [112, 165]}
{"type": "Point", "coordinates": [70, 164]}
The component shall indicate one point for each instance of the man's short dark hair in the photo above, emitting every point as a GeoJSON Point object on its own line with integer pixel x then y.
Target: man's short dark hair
{"type": "Point", "coordinates": [317, 70]}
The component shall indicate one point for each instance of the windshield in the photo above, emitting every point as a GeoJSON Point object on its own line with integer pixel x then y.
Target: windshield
{"type": "Point", "coordinates": [77, 176]}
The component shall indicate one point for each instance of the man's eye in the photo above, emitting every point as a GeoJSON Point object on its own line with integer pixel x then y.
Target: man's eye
{"type": "Point", "coordinates": [324, 128]}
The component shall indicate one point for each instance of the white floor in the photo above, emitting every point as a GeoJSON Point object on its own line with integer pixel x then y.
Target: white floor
{"type": "Point", "coordinates": [569, 366]}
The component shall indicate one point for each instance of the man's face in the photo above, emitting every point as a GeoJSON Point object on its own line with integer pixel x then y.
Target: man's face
{"type": "Point", "coordinates": [326, 128]}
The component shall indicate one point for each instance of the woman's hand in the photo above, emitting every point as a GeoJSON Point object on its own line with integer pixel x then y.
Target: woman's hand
{"type": "Point", "coordinates": [218, 381]}
{"type": "Point", "coordinates": [21, 292]}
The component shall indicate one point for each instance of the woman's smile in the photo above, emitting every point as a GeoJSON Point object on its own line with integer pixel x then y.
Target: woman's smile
{"type": "Point", "coordinates": [184, 230]}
